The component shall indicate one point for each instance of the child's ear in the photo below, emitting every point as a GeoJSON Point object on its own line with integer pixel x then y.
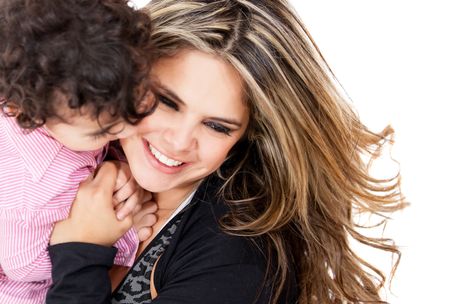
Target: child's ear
{"type": "Point", "coordinates": [10, 109]}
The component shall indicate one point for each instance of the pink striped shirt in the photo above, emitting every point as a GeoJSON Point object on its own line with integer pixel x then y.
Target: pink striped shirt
{"type": "Point", "coordinates": [39, 179]}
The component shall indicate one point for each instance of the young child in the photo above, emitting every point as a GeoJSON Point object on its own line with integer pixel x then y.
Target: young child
{"type": "Point", "coordinates": [73, 76]}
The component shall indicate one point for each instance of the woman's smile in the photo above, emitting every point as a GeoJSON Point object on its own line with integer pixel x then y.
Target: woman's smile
{"type": "Point", "coordinates": [163, 162]}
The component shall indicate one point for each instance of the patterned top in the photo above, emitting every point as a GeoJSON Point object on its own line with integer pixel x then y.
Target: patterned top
{"type": "Point", "coordinates": [38, 182]}
{"type": "Point", "coordinates": [135, 288]}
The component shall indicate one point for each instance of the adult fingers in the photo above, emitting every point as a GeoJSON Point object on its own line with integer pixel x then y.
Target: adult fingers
{"type": "Point", "coordinates": [123, 174]}
{"type": "Point", "coordinates": [105, 178]}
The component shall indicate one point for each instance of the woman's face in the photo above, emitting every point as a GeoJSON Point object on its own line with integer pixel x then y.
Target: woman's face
{"type": "Point", "coordinates": [200, 116]}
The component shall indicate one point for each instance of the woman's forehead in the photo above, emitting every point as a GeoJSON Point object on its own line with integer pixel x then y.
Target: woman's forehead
{"type": "Point", "coordinates": [199, 78]}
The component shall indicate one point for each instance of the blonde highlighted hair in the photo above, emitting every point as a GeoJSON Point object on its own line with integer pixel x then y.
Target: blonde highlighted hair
{"type": "Point", "coordinates": [297, 177]}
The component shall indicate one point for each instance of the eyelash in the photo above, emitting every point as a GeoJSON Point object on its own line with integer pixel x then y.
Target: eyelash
{"type": "Point", "coordinates": [167, 102]}
{"type": "Point", "coordinates": [99, 136]}
{"type": "Point", "coordinates": [219, 128]}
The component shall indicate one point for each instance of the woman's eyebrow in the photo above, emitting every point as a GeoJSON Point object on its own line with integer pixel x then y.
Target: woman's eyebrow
{"type": "Point", "coordinates": [173, 95]}
{"type": "Point", "coordinates": [228, 121]}
{"type": "Point", "coordinates": [165, 90]}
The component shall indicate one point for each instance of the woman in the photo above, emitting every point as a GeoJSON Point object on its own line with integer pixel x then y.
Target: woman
{"type": "Point", "coordinates": [256, 163]}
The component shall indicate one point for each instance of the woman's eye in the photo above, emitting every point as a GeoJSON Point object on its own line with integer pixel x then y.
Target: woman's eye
{"type": "Point", "coordinates": [167, 102]}
{"type": "Point", "coordinates": [218, 128]}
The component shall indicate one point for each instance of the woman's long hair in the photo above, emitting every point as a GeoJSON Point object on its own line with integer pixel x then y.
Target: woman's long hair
{"type": "Point", "coordinates": [297, 177]}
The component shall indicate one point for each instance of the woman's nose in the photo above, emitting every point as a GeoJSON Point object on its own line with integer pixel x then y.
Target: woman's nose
{"type": "Point", "coordinates": [181, 137]}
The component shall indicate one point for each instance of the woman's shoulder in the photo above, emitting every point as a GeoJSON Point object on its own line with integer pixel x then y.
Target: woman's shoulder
{"type": "Point", "coordinates": [201, 227]}
{"type": "Point", "coordinates": [205, 262]}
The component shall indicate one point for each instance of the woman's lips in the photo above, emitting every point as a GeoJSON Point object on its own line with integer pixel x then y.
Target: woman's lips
{"type": "Point", "coordinates": [161, 162]}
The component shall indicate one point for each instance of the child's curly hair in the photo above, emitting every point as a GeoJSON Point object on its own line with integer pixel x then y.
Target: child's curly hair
{"type": "Point", "coordinates": [96, 53]}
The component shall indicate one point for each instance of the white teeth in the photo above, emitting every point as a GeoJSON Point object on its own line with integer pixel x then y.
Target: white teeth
{"type": "Point", "coordinates": [164, 159]}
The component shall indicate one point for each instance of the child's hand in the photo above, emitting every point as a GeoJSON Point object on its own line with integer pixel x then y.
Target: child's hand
{"type": "Point", "coordinates": [144, 220]}
{"type": "Point", "coordinates": [92, 218]}
{"type": "Point", "coordinates": [128, 195]}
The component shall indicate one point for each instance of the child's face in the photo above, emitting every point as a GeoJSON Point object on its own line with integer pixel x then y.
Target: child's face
{"type": "Point", "coordinates": [79, 131]}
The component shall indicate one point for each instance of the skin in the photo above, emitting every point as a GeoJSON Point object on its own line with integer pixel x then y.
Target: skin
{"type": "Point", "coordinates": [98, 189]}
{"type": "Point", "coordinates": [201, 115]}
{"type": "Point", "coordinates": [94, 214]}
{"type": "Point", "coordinates": [78, 131]}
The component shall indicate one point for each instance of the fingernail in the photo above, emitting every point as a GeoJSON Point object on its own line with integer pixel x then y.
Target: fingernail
{"type": "Point", "coordinates": [120, 216]}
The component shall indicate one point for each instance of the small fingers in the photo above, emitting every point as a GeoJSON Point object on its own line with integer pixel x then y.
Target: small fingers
{"type": "Point", "coordinates": [146, 208]}
{"type": "Point", "coordinates": [148, 220]}
{"type": "Point", "coordinates": [144, 226]}
{"type": "Point", "coordinates": [147, 196]}
{"type": "Point", "coordinates": [144, 233]}
{"type": "Point", "coordinates": [137, 209]}
{"type": "Point", "coordinates": [127, 207]}
{"type": "Point", "coordinates": [127, 190]}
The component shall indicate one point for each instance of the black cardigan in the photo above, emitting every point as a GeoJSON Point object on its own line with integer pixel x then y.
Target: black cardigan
{"type": "Point", "coordinates": [201, 265]}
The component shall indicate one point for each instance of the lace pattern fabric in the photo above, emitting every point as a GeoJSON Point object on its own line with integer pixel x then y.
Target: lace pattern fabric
{"type": "Point", "coordinates": [135, 288]}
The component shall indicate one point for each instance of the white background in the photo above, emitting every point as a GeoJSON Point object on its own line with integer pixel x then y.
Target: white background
{"type": "Point", "coordinates": [392, 57]}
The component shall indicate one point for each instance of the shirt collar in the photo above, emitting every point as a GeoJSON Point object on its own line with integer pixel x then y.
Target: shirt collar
{"type": "Point", "coordinates": [36, 147]}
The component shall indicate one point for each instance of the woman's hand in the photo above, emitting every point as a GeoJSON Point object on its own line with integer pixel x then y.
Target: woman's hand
{"type": "Point", "coordinates": [92, 218]}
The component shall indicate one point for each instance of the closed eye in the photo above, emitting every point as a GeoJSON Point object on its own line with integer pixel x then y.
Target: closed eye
{"type": "Point", "coordinates": [110, 130]}
{"type": "Point", "coordinates": [217, 127]}
{"type": "Point", "coordinates": [213, 125]}
{"type": "Point", "coordinates": [99, 136]}
{"type": "Point", "coordinates": [167, 102]}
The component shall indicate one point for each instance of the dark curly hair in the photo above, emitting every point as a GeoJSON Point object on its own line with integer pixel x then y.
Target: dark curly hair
{"type": "Point", "coordinates": [96, 53]}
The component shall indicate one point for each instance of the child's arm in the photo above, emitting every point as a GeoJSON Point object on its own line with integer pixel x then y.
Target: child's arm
{"type": "Point", "coordinates": [25, 229]}
{"type": "Point", "coordinates": [24, 233]}
{"type": "Point", "coordinates": [24, 256]}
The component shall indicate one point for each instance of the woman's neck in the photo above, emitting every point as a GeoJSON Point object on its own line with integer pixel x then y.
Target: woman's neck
{"type": "Point", "coordinates": [171, 199]}
{"type": "Point", "coordinates": [168, 202]}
